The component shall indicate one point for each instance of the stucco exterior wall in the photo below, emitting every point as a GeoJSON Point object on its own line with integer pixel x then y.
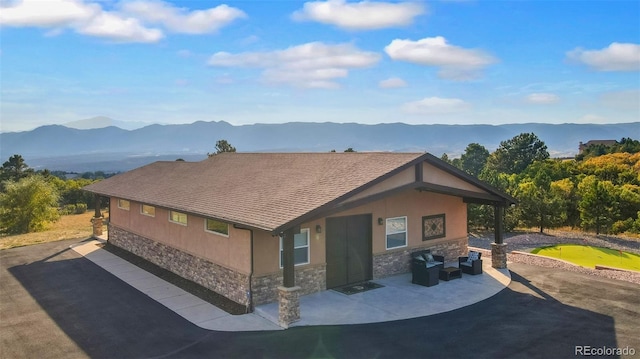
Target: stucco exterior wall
{"type": "Point", "coordinates": [231, 252]}
{"type": "Point", "coordinates": [404, 177]}
{"type": "Point", "coordinates": [432, 174]}
{"type": "Point", "coordinates": [268, 276]}
{"type": "Point", "coordinates": [414, 205]}
{"type": "Point", "coordinates": [410, 203]}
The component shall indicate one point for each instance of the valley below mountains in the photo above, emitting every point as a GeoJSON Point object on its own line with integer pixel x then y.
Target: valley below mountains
{"type": "Point", "coordinates": [113, 149]}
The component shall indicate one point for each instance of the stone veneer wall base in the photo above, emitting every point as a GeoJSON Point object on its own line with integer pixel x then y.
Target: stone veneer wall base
{"type": "Point", "coordinates": [310, 279]}
{"type": "Point", "coordinates": [222, 280]}
{"type": "Point", "coordinates": [399, 261]}
{"type": "Point", "coordinates": [288, 305]}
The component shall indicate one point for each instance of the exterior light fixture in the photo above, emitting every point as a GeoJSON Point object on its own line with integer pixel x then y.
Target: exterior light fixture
{"type": "Point", "coordinates": [318, 228]}
{"type": "Point", "coordinates": [380, 220]}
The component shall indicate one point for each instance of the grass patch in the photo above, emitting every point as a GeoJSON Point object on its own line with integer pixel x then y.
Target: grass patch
{"type": "Point", "coordinates": [67, 227]}
{"type": "Point", "coordinates": [589, 257]}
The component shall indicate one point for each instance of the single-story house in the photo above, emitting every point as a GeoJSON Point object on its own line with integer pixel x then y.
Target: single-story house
{"type": "Point", "coordinates": [264, 227]}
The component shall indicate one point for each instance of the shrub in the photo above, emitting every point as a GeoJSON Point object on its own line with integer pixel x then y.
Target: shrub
{"type": "Point", "coordinates": [68, 209]}
{"type": "Point", "coordinates": [622, 226]}
{"type": "Point", "coordinates": [80, 208]}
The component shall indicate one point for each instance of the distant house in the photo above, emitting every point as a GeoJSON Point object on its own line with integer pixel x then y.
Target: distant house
{"type": "Point", "coordinates": [247, 225]}
{"type": "Point", "coordinates": [583, 146]}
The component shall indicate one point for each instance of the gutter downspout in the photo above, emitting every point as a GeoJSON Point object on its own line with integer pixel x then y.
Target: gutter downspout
{"type": "Point", "coordinates": [250, 291]}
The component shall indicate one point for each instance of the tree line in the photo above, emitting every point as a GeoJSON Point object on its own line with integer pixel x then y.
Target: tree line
{"type": "Point", "coordinates": [597, 191]}
{"type": "Point", "coordinates": [30, 199]}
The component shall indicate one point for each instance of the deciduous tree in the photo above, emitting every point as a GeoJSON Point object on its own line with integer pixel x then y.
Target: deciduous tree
{"type": "Point", "coordinates": [27, 205]}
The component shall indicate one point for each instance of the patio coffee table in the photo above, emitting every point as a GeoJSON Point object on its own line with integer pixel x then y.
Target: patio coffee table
{"type": "Point", "coordinates": [450, 273]}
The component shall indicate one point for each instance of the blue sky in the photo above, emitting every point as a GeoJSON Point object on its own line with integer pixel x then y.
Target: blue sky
{"type": "Point", "coordinates": [423, 62]}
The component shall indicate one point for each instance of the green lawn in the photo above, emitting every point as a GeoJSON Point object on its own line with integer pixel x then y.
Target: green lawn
{"type": "Point", "coordinates": [587, 256]}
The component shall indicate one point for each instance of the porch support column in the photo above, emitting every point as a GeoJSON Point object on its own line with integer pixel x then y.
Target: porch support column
{"type": "Point", "coordinates": [499, 248]}
{"type": "Point", "coordinates": [288, 293]}
{"type": "Point", "coordinates": [97, 219]}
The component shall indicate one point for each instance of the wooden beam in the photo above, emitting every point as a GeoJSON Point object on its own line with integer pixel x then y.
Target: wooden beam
{"type": "Point", "coordinates": [498, 214]}
{"type": "Point", "coordinates": [419, 173]}
{"type": "Point", "coordinates": [288, 265]}
{"type": "Point", "coordinates": [96, 198]}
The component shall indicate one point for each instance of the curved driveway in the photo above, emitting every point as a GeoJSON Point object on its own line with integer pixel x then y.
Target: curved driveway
{"type": "Point", "coordinates": [56, 304]}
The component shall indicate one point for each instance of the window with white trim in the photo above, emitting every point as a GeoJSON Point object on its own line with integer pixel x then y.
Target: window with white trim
{"type": "Point", "coordinates": [124, 204]}
{"type": "Point", "coordinates": [396, 232]}
{"type": "Point", "coordinates": [300, 248]}
{"type": "Point", "coordinates": [148, 210]}
{"type": "Point", "coordinates": [217, 227]}
{"type": "Point", "coordinates": [178, 217]}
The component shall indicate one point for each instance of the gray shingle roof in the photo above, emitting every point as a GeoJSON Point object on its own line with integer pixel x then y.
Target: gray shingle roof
{"type": "Point", "coordinates": [261, 190]}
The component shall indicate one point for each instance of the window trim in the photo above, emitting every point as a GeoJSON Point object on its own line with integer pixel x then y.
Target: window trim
{"type": "Point", "coordinates": [308, 246]}
{"type": "Point", "coordinates": [142, 205]}
{"type": "Point", "coordinates": [406, 233]}
{"type": "Point", "coordinates": [214, 232]}
{"type": "Point", "coordinates": [128, 204]}
{"type": "Point", "coordinates": [186, 218]}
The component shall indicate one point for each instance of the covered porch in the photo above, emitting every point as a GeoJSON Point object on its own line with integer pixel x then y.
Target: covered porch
{"type": "Point", "coordinates": [399, 299]}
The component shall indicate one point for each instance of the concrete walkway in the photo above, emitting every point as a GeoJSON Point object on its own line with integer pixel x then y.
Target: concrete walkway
{"type": "Point", "coordinates": [398, 299]}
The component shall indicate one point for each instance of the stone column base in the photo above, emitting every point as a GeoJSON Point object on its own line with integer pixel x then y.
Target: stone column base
{"type": "Point", "coordinates": [499, 255]}
{"type": "Point", "coordinates": [289, 305]}
{"type": "Point", "coordinates": [97, 225]}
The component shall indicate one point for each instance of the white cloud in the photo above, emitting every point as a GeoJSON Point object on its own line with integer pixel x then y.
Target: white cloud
{"type": "Point", "coordinates": [84, 18]}
{"type": "Point", "coordinates": [114, 27]}
{"type": "Point", "coordinates": [182, 20]}
{"type": "Point", "coordinates": [392, 82]}
{"type": "Point", "coordinates": [310, 65]}
{"type": "Point", "coordinates": [455, 63]}
{"type": "Point", "coordinates": [50, 13]}
{"type": "Point", "coordinates": [128, 24]}
{"type": "Point", "coordinates": [435, 105]}
{"type": "Point", "coordinates": [364, 15]}
{"type": "Point", "coordinates": [542, 98]}
{"type": "Point", "coordinates": [615, 57]}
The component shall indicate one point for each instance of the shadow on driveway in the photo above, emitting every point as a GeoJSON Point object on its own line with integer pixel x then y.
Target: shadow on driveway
{"type": "Point", "coordinates": [543, 313]}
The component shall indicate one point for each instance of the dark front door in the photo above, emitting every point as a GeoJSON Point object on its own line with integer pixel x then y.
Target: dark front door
{"type": "Point", "coordinates": [349, 257]}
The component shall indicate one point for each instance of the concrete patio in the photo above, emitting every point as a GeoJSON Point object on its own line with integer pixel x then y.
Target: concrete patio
{"type": "Point", "coordinates": [398, 299]}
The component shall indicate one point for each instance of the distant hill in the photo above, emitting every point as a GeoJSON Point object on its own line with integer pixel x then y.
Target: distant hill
{"type": "Point", "coordinates": [48, 145]}
{"type": "Point", "coordinates": [102, 122]}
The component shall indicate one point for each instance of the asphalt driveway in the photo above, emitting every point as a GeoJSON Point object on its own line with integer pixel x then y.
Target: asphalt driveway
{"type": "Point", "coordinates": [56, 304]}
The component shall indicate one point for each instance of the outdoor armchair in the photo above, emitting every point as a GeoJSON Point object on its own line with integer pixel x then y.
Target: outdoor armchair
{"type": "Point", "coordinates": [425, 267]}
{"type": "Point", "coordinates": [471, 264]}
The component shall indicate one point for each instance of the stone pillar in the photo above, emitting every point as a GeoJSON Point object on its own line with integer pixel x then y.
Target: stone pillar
{"type": "Point", "coordinates": [499, 255]}
{"type": "Point", "coordinates": [97, 226]}
{"type": "Point", "coordinates": [289, 305]}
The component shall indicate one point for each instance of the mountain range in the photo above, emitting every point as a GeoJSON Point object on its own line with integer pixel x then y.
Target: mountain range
{"type": "Point", "coordinates": [113, 149]}
{"type": "Point", "coordinates": [103, 121]}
